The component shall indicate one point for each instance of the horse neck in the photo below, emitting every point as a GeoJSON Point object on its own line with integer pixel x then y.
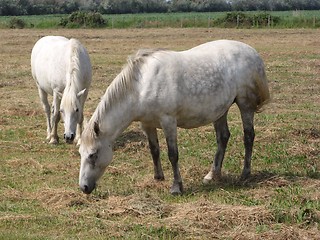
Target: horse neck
{"type": "Point", "coordinates": [74, 70]}
{"type": "Point", "coordinates": [117, 117]}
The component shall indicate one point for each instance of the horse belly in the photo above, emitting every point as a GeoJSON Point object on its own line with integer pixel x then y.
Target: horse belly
{"type": "Point", "coordinates": [50, 74]}
{"type": "Point", "coordinates": [205, 99]}
{"type": "Point", "coordinates": [49, 81]}
{"type": "Point", "coordinates": [194, 114]}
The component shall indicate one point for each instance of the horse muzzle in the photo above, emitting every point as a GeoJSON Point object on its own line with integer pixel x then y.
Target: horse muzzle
{"type": "Point", "coordinates": [87, 188]}
{"type": "Point", "coordinates": [69, 137]}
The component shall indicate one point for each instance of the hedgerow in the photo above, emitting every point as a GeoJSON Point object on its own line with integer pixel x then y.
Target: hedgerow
{"type": "Point", "coordinates": [83, 19]}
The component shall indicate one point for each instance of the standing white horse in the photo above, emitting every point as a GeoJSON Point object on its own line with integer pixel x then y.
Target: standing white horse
{"type": "Point", "coordinates": [167, 89]}
{"type": "Point", "coordinates": [62, 68]}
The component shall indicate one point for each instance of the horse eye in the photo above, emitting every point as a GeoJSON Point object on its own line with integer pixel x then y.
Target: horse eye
{"type": "Point", "coordinates": [92, 158]}
{"type": "Point", "coordinates": [77, 110]}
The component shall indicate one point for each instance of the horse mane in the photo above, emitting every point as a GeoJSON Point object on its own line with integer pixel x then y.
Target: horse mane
{"type": "Point", "coordinates": [73, 68]}
{"type": "Point", "coordinates": [123, 83]}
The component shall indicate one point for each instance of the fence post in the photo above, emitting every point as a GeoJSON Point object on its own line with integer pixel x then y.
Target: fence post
{"type": "Point", "coordinates": [314, 21]}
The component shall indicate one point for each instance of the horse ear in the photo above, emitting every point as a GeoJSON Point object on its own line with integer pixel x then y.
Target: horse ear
{"type": "Point", "coordinates": [96, 128]}
{"type": "Point", "coordinates": [81, 92]}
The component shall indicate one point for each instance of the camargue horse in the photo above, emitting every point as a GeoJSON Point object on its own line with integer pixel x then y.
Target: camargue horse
{"type": "Point", "coordinates": [167, 89]}
{"type": "Point", "coordinates": [62, 68]}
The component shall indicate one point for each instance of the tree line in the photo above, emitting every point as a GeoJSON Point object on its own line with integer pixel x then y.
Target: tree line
{"type": "Point", "coordinates": [40, 7]}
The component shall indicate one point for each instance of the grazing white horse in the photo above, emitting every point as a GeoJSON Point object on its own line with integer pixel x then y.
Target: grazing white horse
{"type": "Point", "coordinates": [61, 67]}
{"type": "Point", "coordinates": [167, 89]}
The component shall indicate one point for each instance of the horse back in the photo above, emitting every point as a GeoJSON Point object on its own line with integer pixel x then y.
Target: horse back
{"type": "Point", "coordinates": [200, 84]}
{"type": "Point", "coordinates": [55, 59]}
{"type": "Point", "coordinates": [48, 63]}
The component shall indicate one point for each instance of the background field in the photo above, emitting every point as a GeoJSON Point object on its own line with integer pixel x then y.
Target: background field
{"type": "Point", "coordinates": [39, 196]}
{"type": "Point", "coordinates": [286, 19]}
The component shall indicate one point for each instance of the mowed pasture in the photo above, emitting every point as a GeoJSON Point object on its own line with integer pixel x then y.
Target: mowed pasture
{"type": "Point", "coordinates": [39, 194]}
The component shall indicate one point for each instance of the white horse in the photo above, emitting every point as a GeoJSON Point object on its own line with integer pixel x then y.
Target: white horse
{"type": "Point", "coordinates": [167, 89]}
{"type": "Point", "coordinates": [62, 68]}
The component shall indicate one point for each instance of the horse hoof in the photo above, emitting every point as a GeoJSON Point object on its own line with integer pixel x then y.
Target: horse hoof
{"type": "Point", "coordinates": [245, 176]}
{"type": "Point", "coordinates": [54, 141]}
{"type": "Point", "coordinates": [176, 189]}
{"type": "Point", "coordinates": [206, 181]}
{"type": "Point", "coordinates": [159, 178]}
{"type": "Point", "coordinates": [175, 192]}
{"type": "Point", "coordinates": [208, 178]}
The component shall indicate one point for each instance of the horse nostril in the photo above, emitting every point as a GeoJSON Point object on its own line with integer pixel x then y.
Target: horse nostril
{"type": "Point", "coordinates": [69, 137]}
{"type": "Point", "coordinates": [64, 136]}
{"type": "Point", "coordinates": [85, 189]}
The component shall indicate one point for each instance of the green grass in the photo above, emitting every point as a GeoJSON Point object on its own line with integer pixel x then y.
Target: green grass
{"type": "Point", "coordinates": [291, 205]}
{"type": "Point", "coordinates": [288, 19]}
{"type": "Point", "coordinates": [39, 194]}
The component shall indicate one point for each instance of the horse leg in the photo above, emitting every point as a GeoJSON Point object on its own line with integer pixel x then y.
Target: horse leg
{"type": "Point", "coordinates": [169, 126]}
{"type": "Point", "coordinates": [152, 136]}
{"type": "Point", "coordinates": [80, 124]}
{"type": "Point", "coordinates": [247, 116]}
{"type": "Point", "coordinates": [222, 136]}
{"type": "Point", "coordinates": [55, 118]}
{"type": "Point", "coordinates": [44, 100]}
{"type": "Point", "coordinates": [79, 130]}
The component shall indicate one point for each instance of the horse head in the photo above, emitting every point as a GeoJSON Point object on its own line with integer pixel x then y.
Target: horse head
{"type": "Point", "coordinates": [71, 111]}
{"type": "Point", "coordinates": [96, 154]}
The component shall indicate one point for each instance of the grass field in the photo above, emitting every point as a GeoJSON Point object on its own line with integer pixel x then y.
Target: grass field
{"type": "Point", "coordinates": [39, 195]}
{"type": "Point", "coordinates": [288, 19]}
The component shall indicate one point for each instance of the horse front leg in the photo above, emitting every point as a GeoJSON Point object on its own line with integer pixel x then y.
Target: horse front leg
{"type": "Point", "coordinates": [55, 118]}
{"type": "Point", "coordinates": [169, 126]}
{"type": "Point", "coordinates": [152, 137]}
{"type": "Point", "coordinates": [79, 131]}
{"type": "Point", "coordinates": [222, 137]}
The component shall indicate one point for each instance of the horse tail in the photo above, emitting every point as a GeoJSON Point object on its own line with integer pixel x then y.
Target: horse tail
{"type": "Point", "coordinates": [262, 89]}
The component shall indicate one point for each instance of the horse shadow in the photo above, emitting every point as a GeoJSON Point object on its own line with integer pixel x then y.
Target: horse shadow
{"type": "Point", "coordinates": [129, 137]}
{"type": "Point", "coordinates": [258, 179]}
{"type": "Point", "coordinates": [228, 181]}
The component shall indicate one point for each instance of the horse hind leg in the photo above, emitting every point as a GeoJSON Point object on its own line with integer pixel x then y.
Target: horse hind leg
{"type": "Point", "coordinates": [247, 116]}
{"type": "Point", "coordinates": [44, 100]}
{"type": "Point", "coordinates": [152, 137]}
{"type": "Point", "coordinates": [222, 136]}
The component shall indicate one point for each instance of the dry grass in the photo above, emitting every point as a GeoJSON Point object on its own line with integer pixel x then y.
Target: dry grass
{"type": "Point", "coordinates": [39, 196]}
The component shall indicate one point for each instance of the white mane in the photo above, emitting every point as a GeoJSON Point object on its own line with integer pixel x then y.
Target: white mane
{"type": "Point", "coordinates": [73, 68]}
{"type": "Point", "coordinates": [123, 83]}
